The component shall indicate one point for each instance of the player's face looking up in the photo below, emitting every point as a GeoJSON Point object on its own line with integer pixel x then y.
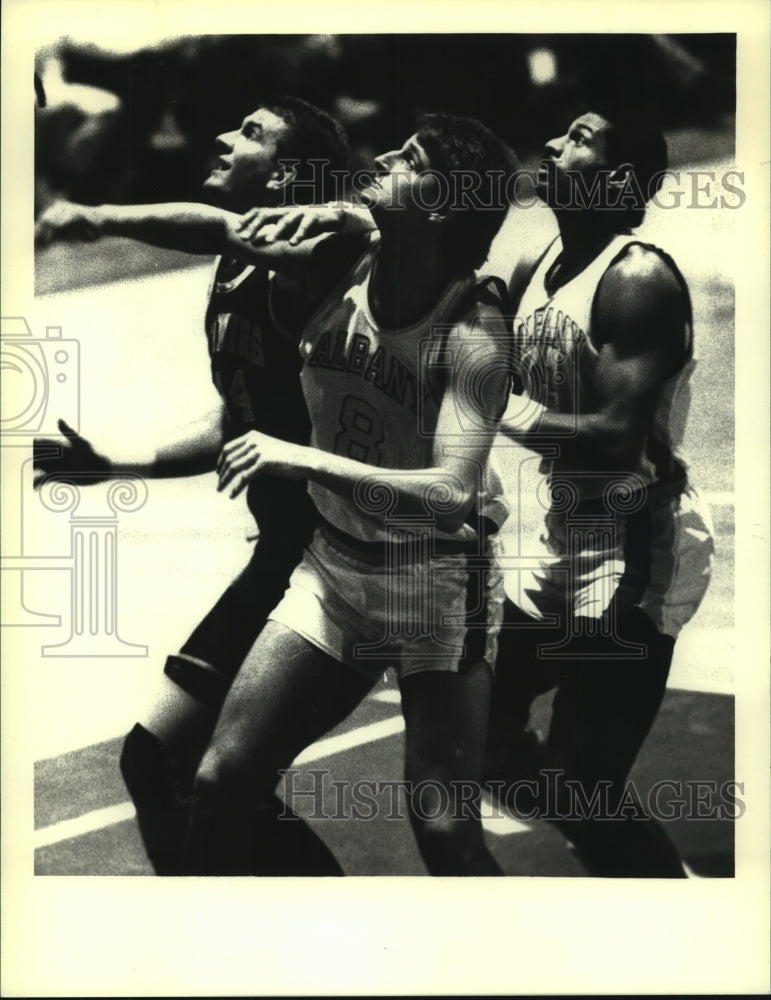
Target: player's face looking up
{"type": "Point", "coordinates": [581, 150]}
{"type": "Point", "coordinates": [247, 162]}
{"type": "Point", "coordinates": [402, 181]}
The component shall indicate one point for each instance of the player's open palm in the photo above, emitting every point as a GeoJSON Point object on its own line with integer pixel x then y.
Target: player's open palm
{"type": "Point", "coordinates": [64, 220]}
{"type": "Point", "coordinates": [253, 454]}
{"type": "Point", "coordinates": [70, 458]}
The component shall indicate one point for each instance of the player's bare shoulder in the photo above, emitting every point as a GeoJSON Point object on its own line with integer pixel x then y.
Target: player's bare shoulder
{"type": "Point", "coordinates": [645, 268]}
{"type": "Point", "coordinates": [643, 299]}
{"type": "Point", "coordinates": [480, 343]}
{"type": "Point", "coordinates": [485, 317]}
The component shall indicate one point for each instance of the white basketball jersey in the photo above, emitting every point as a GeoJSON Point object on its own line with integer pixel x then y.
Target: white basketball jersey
{"type": "Point", "coordinates": [602, 536]}
{"type": "Point", "coordinates": [374, 395]}
{"type": "Point", "coordinates": [553, 333]}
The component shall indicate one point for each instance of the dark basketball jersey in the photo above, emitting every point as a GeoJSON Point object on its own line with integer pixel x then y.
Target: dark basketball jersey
{"type": "Point", "coordinates": [256, 369]}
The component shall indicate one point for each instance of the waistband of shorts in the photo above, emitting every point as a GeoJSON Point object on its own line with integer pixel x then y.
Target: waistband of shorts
{"type": "Point", "coordinates": [375, 552]}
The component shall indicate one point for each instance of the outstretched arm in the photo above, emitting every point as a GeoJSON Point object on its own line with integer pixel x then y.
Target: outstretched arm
{"type": "Point", "coordinates": [188, 451]}
{"type": "Point", "coordinates": [191, 227]}
{"type": "Point", "coordinates": [640, 332]}
{"type": "Point", "coordinates": [471, 408]}
{"type": "Point", "coordinates": [295, 225]}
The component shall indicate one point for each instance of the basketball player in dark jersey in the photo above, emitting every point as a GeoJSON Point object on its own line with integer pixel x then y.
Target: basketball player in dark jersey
{"type": "Point", "coordinates": [623, 555]}
{"type": "Point", "coordinates": [255, 366]}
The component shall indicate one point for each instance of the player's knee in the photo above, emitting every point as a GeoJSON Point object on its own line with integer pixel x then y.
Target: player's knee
{"type": "Point", "coordinates": [226, 775]}
{"type": "Point", "coordinates": [216, 776]}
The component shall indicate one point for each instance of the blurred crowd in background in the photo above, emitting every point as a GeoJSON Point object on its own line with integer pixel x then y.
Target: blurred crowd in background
{"type": "Point", "coordinates": [137, 126]}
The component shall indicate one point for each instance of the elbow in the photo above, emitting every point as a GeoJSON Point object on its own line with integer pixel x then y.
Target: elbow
{"type": "Point", "coordinates": [451, 507]}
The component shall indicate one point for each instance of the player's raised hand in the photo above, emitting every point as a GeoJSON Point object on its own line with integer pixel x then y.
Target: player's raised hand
{"type": "Point", "coordinates": [269, 225]}
{"type": "Point", "coordinates": [64, 220]}
{"type": "Point", "coordinates": [70, 458]}
{"type": "Point", "coordinates": [244, 458]}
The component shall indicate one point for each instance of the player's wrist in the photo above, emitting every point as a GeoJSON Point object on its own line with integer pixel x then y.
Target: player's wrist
{"type": "Point", "coordinates": [348, 219]}
{"type": "Point", "coordinates": [335, 216]}
{"type": "Point", "coordinates": [293, 462]}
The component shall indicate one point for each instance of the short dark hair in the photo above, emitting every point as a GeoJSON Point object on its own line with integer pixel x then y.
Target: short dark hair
{"type": "Point", "coordinates": [312, 134]}
{"type": "Point", "coordinates": [458, 145]}
{"type": "Point", "coordinates": [635, 137]}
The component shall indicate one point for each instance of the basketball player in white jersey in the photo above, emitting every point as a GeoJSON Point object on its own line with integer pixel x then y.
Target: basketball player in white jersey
{"type": "Point", "coordinates": [407, 371]}
{"type": "Point", "coordinates": [604, 349]}
{"type": "Point", "coordinates": [255, 366]}
{"type": "Point", "coordinates": [406, 375]}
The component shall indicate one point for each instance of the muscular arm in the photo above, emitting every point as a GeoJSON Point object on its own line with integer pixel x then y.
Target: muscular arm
{"type": "Point", "coordinates": [640, 330]}
{"type": "Point", "coordinates": [467, 425]}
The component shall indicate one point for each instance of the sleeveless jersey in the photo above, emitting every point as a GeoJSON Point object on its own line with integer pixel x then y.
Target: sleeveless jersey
{"type": "Point", "coordinates": [641, 537]}
{"type": "Point", "coordinates": [256, 369]}
{"type": "Point", "coordinates": [553, 333]}
{"type": "Point", "coordinates": [374, 395]}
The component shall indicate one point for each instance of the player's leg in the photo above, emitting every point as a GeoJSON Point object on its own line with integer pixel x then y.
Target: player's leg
{"type": "Point", "coordinates": [514, 750]}
{"type": "Point", "coordinates": [445, 717]}
{"type": "Point", "coordinates": [446, 706]}
{"type": "Point", "coordinates": [602, 713]}
{"type": "Point", "coordinates": [287, 694]}
{"type": "Point", "coordinates": [162, 752]}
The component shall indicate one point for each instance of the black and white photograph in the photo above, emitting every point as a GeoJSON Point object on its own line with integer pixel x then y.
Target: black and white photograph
{"type": "Point", "coordinates": [385, 493]}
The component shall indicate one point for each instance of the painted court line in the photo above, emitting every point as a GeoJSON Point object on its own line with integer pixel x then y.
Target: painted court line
{"type": "Point", "coordinates": [346, 741]}
{"type": "Point", "coordinates": [497, 822]}
{"type": "Point", "coordinates": [81, 825]}
{"type": "Point", "coordinates": [390, 696]}
{"type": "Point", "coordinates": [100, 818]}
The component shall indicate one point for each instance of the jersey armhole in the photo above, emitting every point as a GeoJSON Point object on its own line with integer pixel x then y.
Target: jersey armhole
{"type": "Point", "coordinates": [528, 275]}
{"type": "Point", "coordinates": [488, 289]}
{"type": "Point", "coordinates": [367, 242]}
